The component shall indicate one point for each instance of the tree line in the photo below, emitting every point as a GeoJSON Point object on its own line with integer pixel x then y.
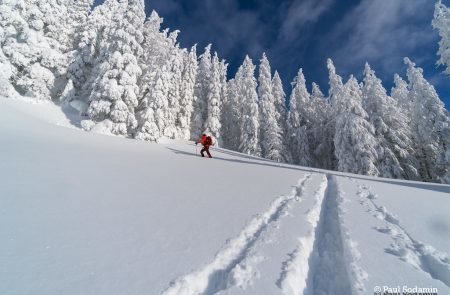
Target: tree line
{"type": "Point", "coordinates": [128, 76]}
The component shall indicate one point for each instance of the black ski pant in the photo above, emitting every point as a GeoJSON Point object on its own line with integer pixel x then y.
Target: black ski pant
{"type": "Point", "coordinates": [205, 149]}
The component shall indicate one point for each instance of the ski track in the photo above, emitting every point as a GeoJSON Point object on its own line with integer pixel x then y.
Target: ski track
{"type": "Point", "coordinates": [234, 264]}
{"type": "Point", "coordinates": [295, 269]}
{"type": "Point", "coordinates": [333, 263]}
{"type": "Point", "coordinates": [421, 256]}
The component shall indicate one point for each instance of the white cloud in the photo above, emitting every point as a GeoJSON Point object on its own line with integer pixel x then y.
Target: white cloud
{"type": "Point", "coordinates": [301, 13]}
{"type": "Point", "coordinates": [382, 32]}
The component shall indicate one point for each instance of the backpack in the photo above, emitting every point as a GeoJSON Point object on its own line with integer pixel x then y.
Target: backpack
{"type": "Point", "coordinates": [208, 140]}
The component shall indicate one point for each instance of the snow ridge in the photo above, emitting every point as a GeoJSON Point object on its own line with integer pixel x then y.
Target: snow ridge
{"type": "Point", "coordinates": [218, 275]}
{"type": "Point", "coordinates": [333, 265]}
{"type": "Point", "coordinates": [419, 255]}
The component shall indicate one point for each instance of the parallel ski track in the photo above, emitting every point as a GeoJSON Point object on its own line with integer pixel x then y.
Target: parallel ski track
{"type": "Point", "coordinates": [215, 276]}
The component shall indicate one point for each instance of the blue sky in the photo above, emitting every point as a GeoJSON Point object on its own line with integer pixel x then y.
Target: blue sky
{"type": "Point", "coordinates": [304, 33]}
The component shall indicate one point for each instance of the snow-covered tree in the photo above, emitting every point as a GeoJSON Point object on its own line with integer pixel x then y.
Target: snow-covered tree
{"type": "Point", "coordinates": [187, 94]}
{"type": "Point", "coordinates": [322, 129]}
{"type": "Point", "coordinates": [297, 121]}
{"type": "Point", "coordinates": [223, 77]}
{"type": "Point", "coordinates": [231, 116]}
{"type": "Point", "coordinates": [280, 100]}
{"type": "Point", "coordinates": [441, 23]}
{"type": "Point", "coordinates": [87, 56]}
{"type": "Point", "coordinates": [400, 93]}
{"type": "Point", "coordinates": [154, 107]}
{"type": "Point", "coordinates": [115, 91]}
{"type": "Point", "coordinates": [271, 134]}
{"type": "Point", "coordinates": [166, 84]}
{"type": "Point", "coordinates": [246, 85]}
{"type": "Point", "coordinates": [354, 140]}
{"type": "Point", "coordinates": [201, 94]}
{"type": "Point", "coordinates": [32, 56]}
{"type": "Point", "coordinates": [174, 94]}
{"type": "Point", "coordinates": [214, 97]}
{"type": "Point", "coordinates": [281, 112]}
{"type": "Point", "coordinates": [430, 126]}
{"type": "Point", "coordinates": [74, 23]}
{"type": "Point", "coordinates": [392, 131]}
{"type": "Point", "coordinates": [335, 81]}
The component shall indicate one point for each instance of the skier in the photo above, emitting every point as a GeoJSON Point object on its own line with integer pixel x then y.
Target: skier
{"type": "Point", "coordinates": [206, 141]}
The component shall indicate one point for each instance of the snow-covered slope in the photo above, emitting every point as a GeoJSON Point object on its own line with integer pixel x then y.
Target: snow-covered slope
{"type": "Point", "coordinates": [82, 213]}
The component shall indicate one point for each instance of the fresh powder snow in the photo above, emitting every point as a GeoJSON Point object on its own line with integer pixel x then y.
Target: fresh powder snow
{"type": "Point", "coordinates": [85, 213]}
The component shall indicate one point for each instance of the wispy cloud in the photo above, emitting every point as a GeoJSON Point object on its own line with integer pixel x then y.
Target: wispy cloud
{"type": "Point", "coordinates": [383, 32]}
{"type": "Point", "coordinates": [300, 13]}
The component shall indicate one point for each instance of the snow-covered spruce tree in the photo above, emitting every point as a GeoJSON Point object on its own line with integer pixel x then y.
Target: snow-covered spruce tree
{"type": "Point", "coordinates": [322, 130]}
{"type": "Point", "coordinates": [281, 112]}
{"type": "Point", "coordinates": [201, 94]}
{"type": "Point", "coordinates": [49, 14]}
{"type": "Point", "coordinates": [430, 126]}
{"type": "Point", "coordinates": [246, 85]}
{"type": "Point", "coordinates": [354, 140]}
{"type": "Point", "coordinates": [441, 23]}
{"type": "Point", "coordinates": [74, 23]}
{"type": "Point", "coordinates": [335, 81]}
{"type": "Point", "coordinates": [12, 24]}
{"type": "Point", "coordinates": [297, 121]}
{"type": "Point", "coordinates": [400, 93]}
{"type": "Point", "coordinates": [154, 107]}
{"type": "Point", "coordinates": [214, 96]}
{"type": "Point", "coordinates": [33, 56]}
{"type": "Point", "coordinates": [280, 100]}
{"type": "Point", "coordinates": [392, 131]}
{"type": "Point", "coordinates": [231, 116]}
{"type": "Point", "coordinates": [157, 52]}
{"type": "Point", "coordinates": [271, 134]}
{"type": "Point", "coordinates": [223, 80]}
{"type": "Point", "coordinates": [335, 87]}
{"type": "Point", "coordinates": [66, 29]}
{"type": "Point", "coordinates": [160, 63]}
{"type": "Point", "coordinates": [223, 73]}
{"type": "Point", "coordinates": [115, 92]}
{"type": "Point", "coordinates": [174, 94]}
{"type": "Point", "coordinates": [87, 56]}
{"type": "Point", "coordinates": [189, 74]}
{"type": "Point", "coordinates": [49, 17]}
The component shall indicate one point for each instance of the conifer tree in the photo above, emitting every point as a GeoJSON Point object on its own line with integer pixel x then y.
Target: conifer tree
{"type": "Point", "coordinates": [441, 23]}
{"type": "Point", "coordinates": [270, 132]}
{"type": "Point", "coordinates": [214, 96]}
{"type": "Point", "coordinates": [395, 153]}
{"type": "Point", "coordinates": [354, 140]}
{"type": "Point", "coordinates": [246, 84]}
{"type": "Point", "coordinates": [174, 94]}
{"type": "Point", "coordinates": [297, 121]}
{"type": "Point", "coordinates": [115, 92]}
{"type": "Point", "coordinates": [281, 113]}
{"type": "Point", "coordinates": [201, 93]}
{"type": "Point", "coordinates": [154, 107]}
{"type": "Point", "coordinates": [84, 67]}
{"type": "Point", "coordinates": [430, 126]}
{"type": "Point", "coordinates": [280, 100]}
{"type": "Point", "coordinates": [187, 93]}
{"type": "Point", "coordinates": [231, 117]}
{"type": "Point", "coordinates": [321, 129]}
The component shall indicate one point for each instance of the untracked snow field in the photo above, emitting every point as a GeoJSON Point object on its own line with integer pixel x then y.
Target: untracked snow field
{"type": "Point", "coordinates": [85, 213]}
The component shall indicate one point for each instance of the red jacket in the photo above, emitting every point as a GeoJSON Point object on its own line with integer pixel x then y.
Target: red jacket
{"type": "Point", "coordinates": [203, 141]}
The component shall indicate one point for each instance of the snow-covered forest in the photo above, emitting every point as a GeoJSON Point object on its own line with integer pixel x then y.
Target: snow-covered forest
{"type": "Point", "coordinates": [128, 76]}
